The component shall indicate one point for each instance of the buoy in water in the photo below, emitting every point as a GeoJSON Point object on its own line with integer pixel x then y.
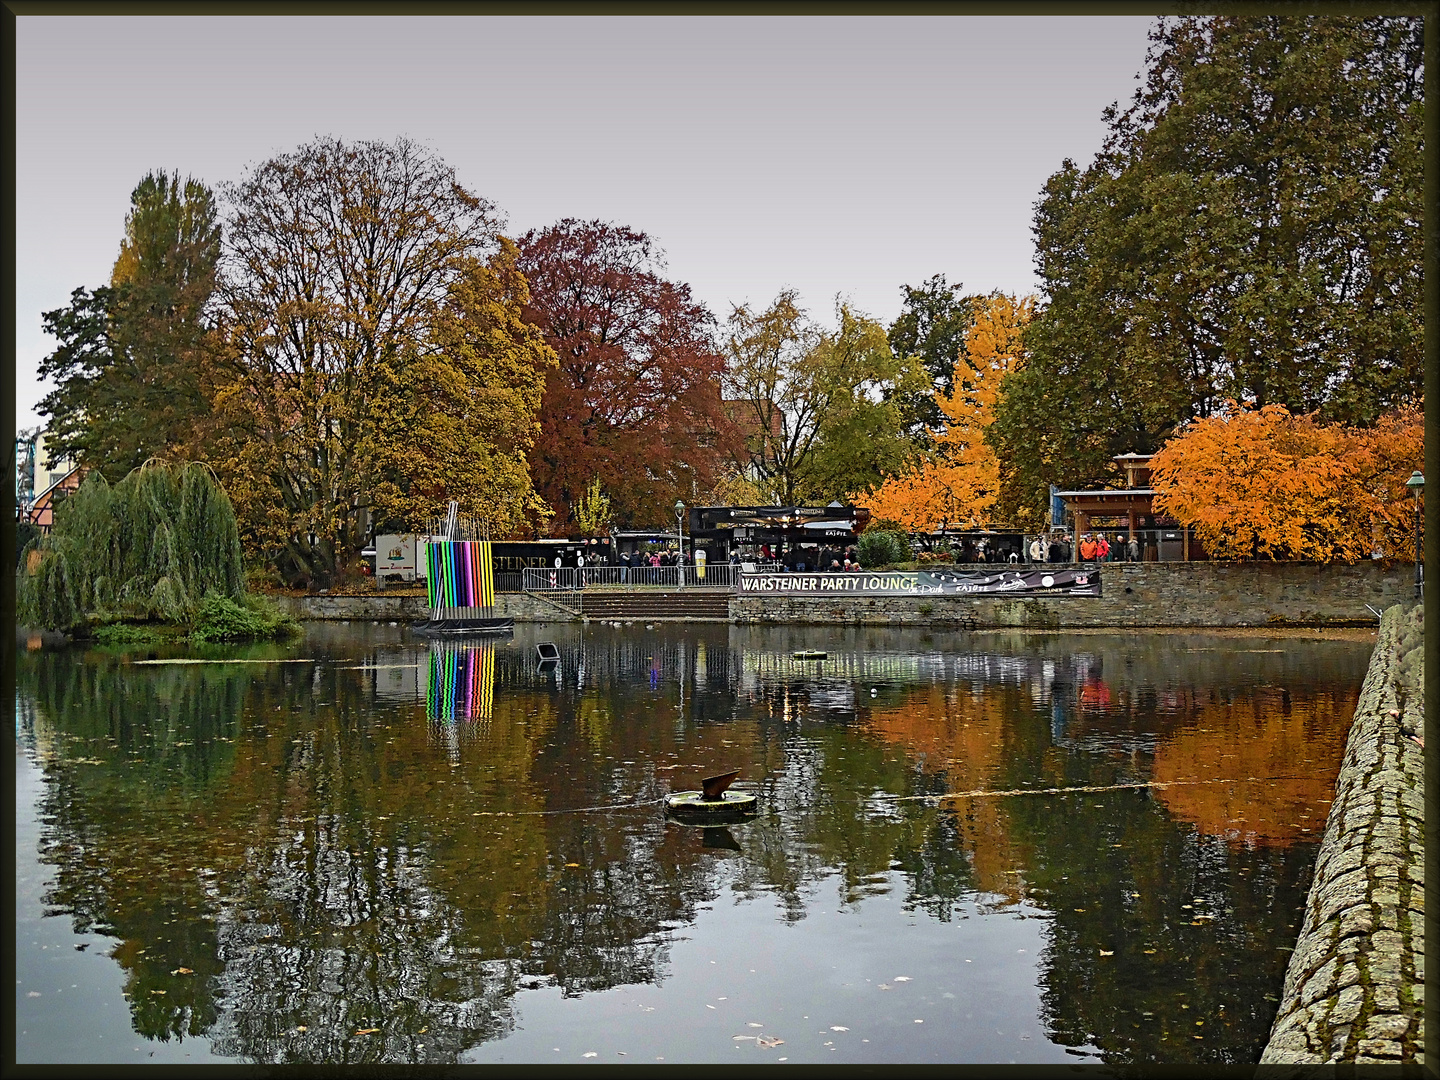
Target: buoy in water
{"type": "Point", "coordinates": [692, 806]}
{"type": "Point", "coordinates": [713, 804]}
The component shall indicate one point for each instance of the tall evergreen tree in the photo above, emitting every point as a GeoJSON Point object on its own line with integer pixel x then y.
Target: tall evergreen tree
{"type": "Point", "coordinates": [131, 368]}
{"type": "Point", "coordinates": [932, 324]}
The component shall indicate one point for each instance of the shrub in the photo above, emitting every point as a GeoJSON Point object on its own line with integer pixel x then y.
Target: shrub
{"type": "Point", "coordinates": [881, 547]}
{"type": "Point", "coordinates": [255, 618]}
{"type": "Point", "coordinates": [124, 633]}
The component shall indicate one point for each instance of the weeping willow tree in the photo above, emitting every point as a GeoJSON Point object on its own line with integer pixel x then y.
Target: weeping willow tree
{"type": "Point", "coordinates": [154, 547]}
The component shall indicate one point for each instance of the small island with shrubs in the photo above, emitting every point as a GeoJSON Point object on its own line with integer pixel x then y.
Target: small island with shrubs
{"type": "Point", "coordinates": [155, 558]}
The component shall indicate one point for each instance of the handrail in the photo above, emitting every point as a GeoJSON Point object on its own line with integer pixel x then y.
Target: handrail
{"type": "Point", "coordinates": [546, 579]}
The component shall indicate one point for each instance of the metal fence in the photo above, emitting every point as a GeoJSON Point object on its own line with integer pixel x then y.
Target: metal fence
{"type": "Point", "coordinates": [570, 578]}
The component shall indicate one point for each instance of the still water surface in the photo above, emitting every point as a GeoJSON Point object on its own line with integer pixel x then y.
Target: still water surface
{"type": "Point", "coordinates": [365, 848]}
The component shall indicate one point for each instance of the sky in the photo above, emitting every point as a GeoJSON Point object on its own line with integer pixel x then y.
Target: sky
{"type": "Point", "coordinates": [838, 156]}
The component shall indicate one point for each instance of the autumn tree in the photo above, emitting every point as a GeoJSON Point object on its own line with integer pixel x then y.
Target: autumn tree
{"type": "Point", "coordinates": [458, 416]}
{"type": "Point", "coordinates": [1251, 229]}
{"type": "Point", "coordinates": [131, 370]}
{"type": "Point", "coordinates": [820, 409]}
{"type": "Point", "coordinates": [959, 483]}
{"type": "Point", "coordinates": [1263, 483]}
{"type": "Point", "coordinates": [355, 275]}
{"type": "Point", "coordinates": [634, 400]}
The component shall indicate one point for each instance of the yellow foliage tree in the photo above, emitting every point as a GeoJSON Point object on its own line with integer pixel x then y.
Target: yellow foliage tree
{"type": "Point", "coordinates": [957, 486]}
{"type": "Point", "coordinates": [1264, 483]}
{"type": "Point", "coordinates": [463, 414]}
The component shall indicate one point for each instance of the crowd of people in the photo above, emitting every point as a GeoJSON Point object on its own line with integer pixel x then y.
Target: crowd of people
{"type": "Point", "coordinates": [1055, 548]}
{"type": "Point", "coordinates": [1093, 547]}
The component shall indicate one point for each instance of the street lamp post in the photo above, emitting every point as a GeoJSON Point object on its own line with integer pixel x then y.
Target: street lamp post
{"type": "Point", "coordinates": [680, 532]}
{"type": "Point", "coordinates": [1416, 484]}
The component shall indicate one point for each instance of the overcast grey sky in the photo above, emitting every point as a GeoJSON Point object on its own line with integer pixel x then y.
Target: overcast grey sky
{"type": "Point", "coordinates": [834, 155]}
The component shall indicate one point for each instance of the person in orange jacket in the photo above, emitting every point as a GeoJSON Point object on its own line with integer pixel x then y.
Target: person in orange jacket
{"type": "Point", "coordinates": [1087, 548]}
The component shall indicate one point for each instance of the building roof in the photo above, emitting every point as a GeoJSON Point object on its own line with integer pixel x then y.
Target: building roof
{"type": "Point", "coordinates": [1108, 491]}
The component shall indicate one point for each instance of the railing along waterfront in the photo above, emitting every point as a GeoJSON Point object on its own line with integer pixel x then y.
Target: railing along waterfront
{"type": "Point", "coordinates": [572, 578]}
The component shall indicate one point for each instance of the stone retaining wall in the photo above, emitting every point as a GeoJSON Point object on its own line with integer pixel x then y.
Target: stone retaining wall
{"type": "Point", "coordinates": [1135, 594]}
{"type": "Point", "coordinates": [518, 606]}
{"type": "Point", "coordinates": [1354, 990]}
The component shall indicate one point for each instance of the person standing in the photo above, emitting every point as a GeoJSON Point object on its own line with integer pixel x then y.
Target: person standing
{"type": "Point", "coordinates": [1102, 548]}
{"type": "Point", "coordinates": [1132, 549]}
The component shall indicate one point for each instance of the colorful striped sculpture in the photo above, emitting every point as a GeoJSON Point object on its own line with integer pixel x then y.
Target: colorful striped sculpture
{"type": "Point", "coordinates": [459, 574]}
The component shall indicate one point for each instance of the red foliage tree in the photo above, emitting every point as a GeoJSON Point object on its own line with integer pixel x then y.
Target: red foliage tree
{"type": "Point", "coordinates": [635, 400]}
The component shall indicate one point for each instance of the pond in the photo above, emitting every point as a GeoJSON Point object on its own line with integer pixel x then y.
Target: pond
{"type": "Point", "coordinates": [971, 847]}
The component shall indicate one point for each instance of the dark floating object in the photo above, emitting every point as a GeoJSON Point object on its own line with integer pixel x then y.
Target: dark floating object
{"type": "Point", "coordinates": [548, 652]}
{"type": "Point", "coordinates": [713, 805]}
{"type": "Point", "coordinates": [810, 654]}
{"type": "Point", "coordinates": [714, 786]}
{"type": "Point", "coordinates": [448, 627]}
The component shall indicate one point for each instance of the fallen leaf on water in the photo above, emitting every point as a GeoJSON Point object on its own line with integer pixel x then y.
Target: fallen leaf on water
{"type": "Point", "coordinates": [570, 864]}
{"type": "Point", "coordinates": [710, 1006]}
{"type": "Point", "coordinates": [157, 991]}
{"type": "Point", "coordinates": [901, 978]}
{"type": "Point", "coordinates": [367, 1031]}
{"type": "Point", "coordinates": [302, 1028]}
{"type": "Point", "coordinates": [742, 1038]}
{"type": "Point", "coordinates": [1105, 953]}
{"type": "Point", "coordinates": [1149, 950]}
{"type": "Point", "coordinates": [590, 1053]}
{"type": "Point", "coordinates": [762, 1041]}
{"type": "Point", "coordinates": [182, 971]}
{"type": "Point", "coordinates": [884, 986]}
{"type": "Point", "coordinates": [837, 1027]}
{"type": "Point", "coordinates": [753, 1024]}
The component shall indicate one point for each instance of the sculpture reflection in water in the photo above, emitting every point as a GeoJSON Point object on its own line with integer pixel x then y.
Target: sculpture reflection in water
{"type": "Point", "coordinates": [461, 685]}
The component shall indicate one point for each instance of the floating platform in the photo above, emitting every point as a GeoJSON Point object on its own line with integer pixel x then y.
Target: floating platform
{"type": "Point", "coordinates": [692, 807]}
{"type": "Point", "coordinates": [810, 654]}
{"type": "Point", "coordinates": [457, 627]}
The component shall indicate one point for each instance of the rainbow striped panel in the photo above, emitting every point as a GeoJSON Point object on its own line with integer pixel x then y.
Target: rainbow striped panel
{"type": "Point", "coordinates": [459, 574]}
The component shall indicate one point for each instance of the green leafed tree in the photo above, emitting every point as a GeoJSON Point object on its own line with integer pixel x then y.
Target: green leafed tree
{"type": "Point", "coordinates": [131, 369]}
{"type": "Point", "coordinates": [1251, 229]}
{"type": "Point", "coordinates": [820, 410]}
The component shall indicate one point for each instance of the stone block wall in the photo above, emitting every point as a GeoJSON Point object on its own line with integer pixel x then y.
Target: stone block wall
{"type": "Point", "coordinates": [518, 606]}
{"type": "Point", "coordinates": [1135, 595]}
{"type": "Point", "coordinates": [1354, 990]}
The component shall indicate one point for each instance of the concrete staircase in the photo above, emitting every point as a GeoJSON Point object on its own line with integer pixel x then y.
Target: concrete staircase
{"type": "Point", "coordinates": [687, 603]}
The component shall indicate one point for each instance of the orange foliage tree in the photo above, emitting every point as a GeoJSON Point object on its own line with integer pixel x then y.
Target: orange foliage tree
{"type": "Point", "coordinates": [1266, 483]}
{"type": "Point", "coordinates": [958, 484]}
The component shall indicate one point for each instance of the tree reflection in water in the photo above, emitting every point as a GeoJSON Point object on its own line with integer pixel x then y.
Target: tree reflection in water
{"type": "Point", "coordinates": [403, 837]}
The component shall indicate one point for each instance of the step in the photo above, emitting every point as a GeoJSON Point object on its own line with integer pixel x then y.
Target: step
{"type": "Point", "coordinates": [672, 605]}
